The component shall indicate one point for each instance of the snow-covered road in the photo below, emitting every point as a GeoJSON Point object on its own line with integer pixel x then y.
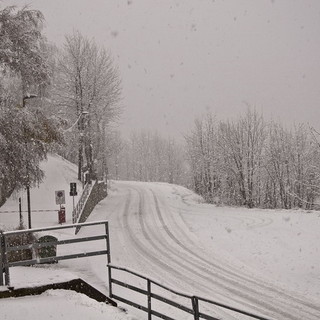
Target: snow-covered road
{"type": "Point", "coordinates": [157, 230]}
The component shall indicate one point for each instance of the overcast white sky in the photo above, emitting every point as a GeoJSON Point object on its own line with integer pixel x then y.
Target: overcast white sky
{"type": "Point", "coordinates": [179, 59]}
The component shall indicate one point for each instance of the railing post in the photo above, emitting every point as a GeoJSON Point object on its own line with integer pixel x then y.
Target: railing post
{"type": "Point", "coordinates": [20, 214]}
{"type": "Point", "coordinates": [1, 259]}
{"type": "Point", "coordinates": [195, 306]}
{"type": "Point", "coordinates": [110, 281]}
{"type": "Point", "coordinates": [108, 257]}
{"type": "Point", "coordinates": [4, 259]}
{"type": "Point", "coordinates": [149, 299]}
{"type": "Point", "coordinates": [108, 242]}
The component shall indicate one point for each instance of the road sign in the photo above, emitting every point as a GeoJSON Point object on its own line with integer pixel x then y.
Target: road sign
{"type": "Point", "coordinates": [60, 197]}
{"type": "Point", "coordinates": [73, 189]}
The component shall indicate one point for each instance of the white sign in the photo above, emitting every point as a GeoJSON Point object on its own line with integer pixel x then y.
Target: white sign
{"type": "Point", "coordinates": [60, 197]}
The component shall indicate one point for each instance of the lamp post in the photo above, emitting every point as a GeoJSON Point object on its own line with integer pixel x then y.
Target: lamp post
{"type": "Point", "coordinates": [80, 123]}
{"type": "Point", "coordinates": [29, 96]}
{"type": "Point", "coordinates": [87, 142]}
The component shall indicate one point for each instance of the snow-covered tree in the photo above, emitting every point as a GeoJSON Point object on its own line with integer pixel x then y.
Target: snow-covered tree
{"type": "Point", "coordinates": [23, 48]}
{"type": "Point", "coordinates": [201, 152]}
{"type": "Point", "coordinates": [242, 145]}
{"type": "Point", "coordinates": [253, 163]}
{"type": "Point", "coordinates": [25, 130]}
{"type": "Point", "coordinates": [291, 164]}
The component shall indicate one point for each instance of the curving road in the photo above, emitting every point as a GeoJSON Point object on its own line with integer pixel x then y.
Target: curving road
{"type": "Point", "coordinates": [150, 233]}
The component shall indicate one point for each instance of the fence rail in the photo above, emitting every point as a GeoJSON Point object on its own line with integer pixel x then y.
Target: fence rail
{"type": "Point", "coordinates": [6, 247]}
{"type": "Point", "coordinates": [194, 308]}
{"type": "Point", "coordinates": [17, 211]}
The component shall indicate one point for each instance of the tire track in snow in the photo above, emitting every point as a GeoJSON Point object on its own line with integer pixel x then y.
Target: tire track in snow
{"type": "Point", "coordinates": [235, 271]}
{"type": "Point", "coordinates": [232, 286]}
{"type": "Point", "coordinates": [154, 255]}
{"type": "Point", "coordinates": [236, 275]}
{"type": "Point", "coordinates": [146, 249]}
{"type": "Point", "coordinates": [234, 291]}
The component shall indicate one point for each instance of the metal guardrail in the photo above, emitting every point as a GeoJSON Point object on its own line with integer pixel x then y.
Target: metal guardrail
{"type": "Point", "coordinates": [194, 300]}
{"type": "Point", "coordinates": [76, 213]}
{"type": "Point", "coordinates": [5, 247]}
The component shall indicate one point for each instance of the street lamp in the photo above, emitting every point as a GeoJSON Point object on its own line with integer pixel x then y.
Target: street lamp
{"type": "Point", "coordinates": [83, 113]}
{"type": "Point", "coordinates": [28, 96]}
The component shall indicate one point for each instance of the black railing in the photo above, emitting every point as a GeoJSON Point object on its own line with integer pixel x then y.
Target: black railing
{"type": "Point", "coordinates": [152, 295]}
{"type": "Point", "coordinates": [76, 213]}
{"type": "Point", "coordinates": [6, 247]}
{"type": "Point", "coordinates": [194, 301]}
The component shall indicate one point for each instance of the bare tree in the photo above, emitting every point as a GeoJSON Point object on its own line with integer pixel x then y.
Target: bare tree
{"type": "Point", "coordinates": [292, 167]}
{"type": "Point", "coordinates": [242, 144]}
{"type": "Point", "coordinates": [201, 152]}
{"type": "Point", "coordinates": [87, 81]}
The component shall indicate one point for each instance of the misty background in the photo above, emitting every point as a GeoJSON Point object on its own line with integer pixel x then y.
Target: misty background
{"type": "Point", "coordinates": [180, 59]}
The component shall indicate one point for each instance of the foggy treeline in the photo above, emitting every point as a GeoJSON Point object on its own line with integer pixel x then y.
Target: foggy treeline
{"type": "Point", "coordinates": [147, 156]}
{"type": "Point", "coordinates": [244, 162]}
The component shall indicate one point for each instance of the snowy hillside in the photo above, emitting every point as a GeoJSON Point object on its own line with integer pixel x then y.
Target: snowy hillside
{"type": "Point", "coordinates": [58, 175]}
{"type": "Point", "coordinates": [264, 261]}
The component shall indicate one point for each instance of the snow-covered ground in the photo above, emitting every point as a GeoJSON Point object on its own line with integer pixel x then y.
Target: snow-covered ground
{"type": "Point", "coordinates": [57, 305]}
{"type": "Point", "coordinates": [263, 261]}
{"type": "Point", "coordinates": [53, 304]}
